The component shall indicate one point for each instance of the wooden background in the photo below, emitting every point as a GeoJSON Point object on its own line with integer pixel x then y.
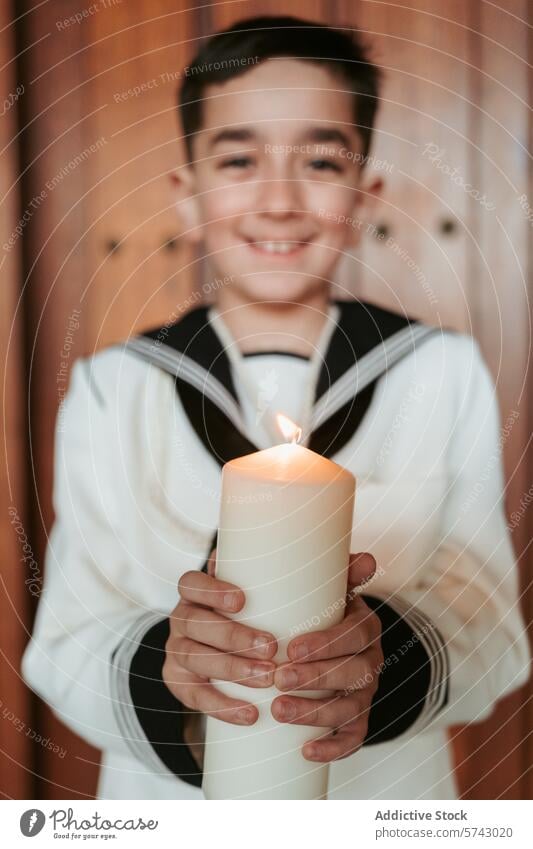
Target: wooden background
{"type": "Point", "coordinates": [103, 240]}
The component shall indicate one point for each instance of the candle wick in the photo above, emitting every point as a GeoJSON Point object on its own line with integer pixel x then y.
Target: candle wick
{"type": "Point", "coordinates": [297, 436]}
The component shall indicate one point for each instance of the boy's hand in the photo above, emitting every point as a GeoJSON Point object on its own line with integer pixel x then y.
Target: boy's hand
{"type": "Point", "coordinates": [345, 658]}
{"type": "Point", "coordinates": [203, 643]}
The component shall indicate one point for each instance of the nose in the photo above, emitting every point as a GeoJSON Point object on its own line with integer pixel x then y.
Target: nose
{"type": "Point", "coordinates": [280, 196]}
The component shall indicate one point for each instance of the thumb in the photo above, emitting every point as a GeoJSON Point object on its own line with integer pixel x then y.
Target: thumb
{"type": "Point", "coordinates": [212, 563]}
{"type": "Point", "coordinates": [362, 567]}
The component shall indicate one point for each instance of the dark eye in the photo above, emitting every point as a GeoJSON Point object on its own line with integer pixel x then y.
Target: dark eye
{"type": "Point", "coordinates": [237, 162]}
{"type": "Point", "coordinates": [325, 165]}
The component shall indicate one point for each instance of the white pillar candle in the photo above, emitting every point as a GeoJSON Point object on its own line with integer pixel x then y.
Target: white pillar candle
{"type": "Point", "coordinates": [284, 538]}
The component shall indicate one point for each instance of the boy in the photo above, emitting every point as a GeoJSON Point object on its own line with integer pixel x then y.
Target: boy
{"type": "Point", "coordinates": [437, 637]}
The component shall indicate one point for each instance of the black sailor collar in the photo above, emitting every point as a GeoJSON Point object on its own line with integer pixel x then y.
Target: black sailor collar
{"type": "Point", "coordinates": [366, 341]}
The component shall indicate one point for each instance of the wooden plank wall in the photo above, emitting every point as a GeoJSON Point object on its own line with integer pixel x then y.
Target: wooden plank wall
{"type": "Point", "coordinates": [105, 242]}
{"type": "Point", "coordinates": [15, 706]}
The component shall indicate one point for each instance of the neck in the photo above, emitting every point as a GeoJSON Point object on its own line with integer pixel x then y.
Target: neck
{"type": "Point", "coordinates": [264, 326]}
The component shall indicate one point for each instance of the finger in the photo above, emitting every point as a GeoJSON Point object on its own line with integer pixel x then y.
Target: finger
{"type": "Point", "coordinates": [357, 631]}
{"type": "Point", "coordinates": [327, 713]}
{"type": "Point", "coordinates": [334, 747]}
{"type": "Point", "coordinates": [196, 693]}
{"type": "Point", "coordinates": [361, 569]}
{"type": "Point", "coordinates": [350, 673]}
{"type": "Point", "coordinates": [216, 704]}
{"type": "Point", "coordinates": [211, 663]}
{"type": "Point", "coordinates": [214, 629]}
{"type": "Point", "coordinates": [204, 589]}
{"type": "Point", "coordinates": [212, 563]}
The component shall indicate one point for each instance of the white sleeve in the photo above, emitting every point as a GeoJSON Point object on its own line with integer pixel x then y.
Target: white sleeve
{"type": "Point", "coordinates": [83, 616]}
{"type": "Point", "coordinates": [464, 604]}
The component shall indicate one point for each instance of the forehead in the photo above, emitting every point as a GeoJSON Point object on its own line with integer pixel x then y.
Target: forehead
{"type": "Point", "coordinates": [279, 94]}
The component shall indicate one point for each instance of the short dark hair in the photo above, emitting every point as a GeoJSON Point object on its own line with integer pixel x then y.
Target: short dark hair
{"type": "Point", "coordinates": [232, 52]}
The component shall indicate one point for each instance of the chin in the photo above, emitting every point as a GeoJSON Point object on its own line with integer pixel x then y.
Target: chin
{"type": "Point", "coordinates": [284, 289]}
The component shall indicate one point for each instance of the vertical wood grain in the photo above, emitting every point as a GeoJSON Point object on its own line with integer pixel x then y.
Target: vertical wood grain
{"type": "Point", "coordinates": [527, 724]}
{"type": "Point", "coordinates": [421, 49]}
{"type": "Point", "coordinates": [491, 757]}
{"type": "Point", "coordinates": [135, 62]}
{"type": "Point", "coordinates": [16, 780]}
{"type": "Point", "coordinates": [54, 130]}
{"type": "Point", "coordinates": [455, 77]}
{"type": "Point", "coordinates": [100, 173]}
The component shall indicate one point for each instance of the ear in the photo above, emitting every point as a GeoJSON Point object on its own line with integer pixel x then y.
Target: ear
{"type": "Point", "coordinates": [187, 207]}
{"type": "Point", "coordinates": [372, 193]}
{"type": "Point", "coordinates": [367, 200]}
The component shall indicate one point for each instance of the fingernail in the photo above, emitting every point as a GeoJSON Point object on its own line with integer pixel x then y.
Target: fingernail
{"type": "Point", "coordinates": [300, 650]}
{"type": "Point", "coordinates": [286, 710]}
{"type": "Point", "coordinates": [245, 715]}
{"type": "Point", "coordinates": [311, 752]}
{"type": "Point", "coordinates": [289, 677]}
{"type": "Point", "coordinates": [262, 644]}
{"type": "Point", "coordinates": [230, 600]}
{"type": "Point", "coordinates": [263, 672]}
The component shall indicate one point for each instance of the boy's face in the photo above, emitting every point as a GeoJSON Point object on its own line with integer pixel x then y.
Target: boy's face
{"type": "Point", "coordinates": [275, 177]}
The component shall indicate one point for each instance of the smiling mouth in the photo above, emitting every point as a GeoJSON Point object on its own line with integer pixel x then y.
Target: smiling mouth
{"type": "Point", "coordinates": [279, 247]}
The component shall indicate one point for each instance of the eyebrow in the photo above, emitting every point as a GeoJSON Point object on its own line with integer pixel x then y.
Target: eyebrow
{"type": "Point", "coordinates": [319, 135]}
{"type": "Point", "coordinates": [316, 135]}
{"type": "Point", "coordinates": [233, 134]}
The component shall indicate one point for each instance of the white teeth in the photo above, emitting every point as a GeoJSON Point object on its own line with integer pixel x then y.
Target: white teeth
{"type": "Point", "coordinates": [277, 247]}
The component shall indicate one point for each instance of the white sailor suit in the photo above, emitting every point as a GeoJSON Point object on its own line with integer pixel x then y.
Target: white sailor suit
{"type": "Point", "coordinates": [144, 431]}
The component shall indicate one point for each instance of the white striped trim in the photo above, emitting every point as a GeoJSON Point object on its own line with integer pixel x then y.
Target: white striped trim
{"type": "Point", "coordinates": [430, 638]}
{"type": "Point", "coordinates": [351, 383]}
{"type": "Point", "coordinates": [125, 714]}
{"type": "Point", "coordinates": [367, 369]}
{"type": "Point", "coordinates": [187, 369]}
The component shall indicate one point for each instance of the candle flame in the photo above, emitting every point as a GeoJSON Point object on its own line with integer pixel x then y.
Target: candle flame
{"type": "Point", "coordinates": [290, 431]}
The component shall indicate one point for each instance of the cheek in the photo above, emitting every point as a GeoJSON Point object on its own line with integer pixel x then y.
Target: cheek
{"type": "Point", "coordinates": [221, 211]}
{"type": "Point", "coordinates": [338, 200]}
{"type": "Point", "coordinates": [336, 210]}
{"type": "Point", "coordinates": [222, 203]}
